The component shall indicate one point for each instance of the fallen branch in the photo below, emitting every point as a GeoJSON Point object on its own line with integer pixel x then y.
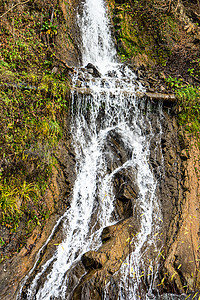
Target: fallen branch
{"type": "Point", "coordinates": [21, 3]}
{"type": "Point", "coordinates": [167, 99]}
{"type": "Point", "coordinates": [177, 6]}
{"type": "Point", "coordinates": [169, 8]}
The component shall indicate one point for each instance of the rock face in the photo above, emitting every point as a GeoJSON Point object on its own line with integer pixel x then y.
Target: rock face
{"type": "Point", "coordinates": [179, 196]}
{"type": "Point", "coordinates": [93, 70]}
{"type": "Point", "coordinates": [183, 250]}
{"type": "Point", "coordinates": [58, 199]}
{"type": "Point", "coordinates": [68, 40]}
{"type": "Point", "coordinates": [106, 261]}
{"type": "Point", "coordinates": [126, 191]}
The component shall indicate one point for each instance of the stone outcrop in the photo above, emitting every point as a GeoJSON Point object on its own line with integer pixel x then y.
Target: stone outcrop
{"type": "Point", "coordinates": [93, 70]}
{"type": "Point", "coordinates": [107, 260]}
{"type": "Point", "coordinates": [182, 260]}
{"type": "Point", "coordinates": [179, 197]}
{"type": "Point", "coordinates": [125, 190]}
{"type": "Point", "coordinates": [68, 34]}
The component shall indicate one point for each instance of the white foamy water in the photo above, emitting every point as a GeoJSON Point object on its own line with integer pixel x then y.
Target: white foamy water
{"type": "Point", "coordinates": [111, 106]}
{"type": "Point", "coordinates": [97, 45]}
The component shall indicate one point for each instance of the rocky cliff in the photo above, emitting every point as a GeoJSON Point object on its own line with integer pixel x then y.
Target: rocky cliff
{"type": "Point", "coordinates": [168, 48]}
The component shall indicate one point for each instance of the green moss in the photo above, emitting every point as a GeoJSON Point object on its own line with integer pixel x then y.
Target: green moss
{"type": "Point", "coordinates": [144, 27]}
{"type": "Point", "coordinates": [32, 103]}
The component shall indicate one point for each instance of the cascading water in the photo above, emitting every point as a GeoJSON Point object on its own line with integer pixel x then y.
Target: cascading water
{"type": "Point", "coordinates": [103, 107]}
{"type": "Point", "coordinates": [97, 44]}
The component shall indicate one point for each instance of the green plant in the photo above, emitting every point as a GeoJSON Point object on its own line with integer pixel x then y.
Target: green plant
{"type": "Point", "coordinates": [49, 28]}
{"type": "Point", "coordinates": [174, 82]}
{"type": "Point", "coordinates": [26, 190]}
{"type": "Point", "coordinates": [32, 104]}
{"type": "Point", "coordinates": [30, 131]}
{"type": "Point", "coordinates": [2, 258]}
{"type": "Point", "coordinates": [189, 103]}
{"type": "Point", "coordinates": [2, 242]}
{"type": "Point", "coordinates": [191, 71]}
{"type": "Point", "coordinates": [8, 201]}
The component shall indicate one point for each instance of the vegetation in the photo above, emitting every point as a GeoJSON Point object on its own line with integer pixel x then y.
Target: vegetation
{"type": "Point", "coordinates": [154, 35]}
{"type": "Point", "coordinates": [189, 105]}
{"type": "Point", "coordinates": [33, 100]}
{"type": "Point", "coordinates": [145, 27]}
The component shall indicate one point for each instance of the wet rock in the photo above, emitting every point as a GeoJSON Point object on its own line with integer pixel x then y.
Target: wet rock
{"type": "Point", "coordinates": [90, 71]}
{"type": "Point", "coordinates": [120, 153]}
{"type": "Point", "coordinates": [82, 90]}
{"type": "Point", "coordinates": [93, 260]}
{"type": "Point", "coordinates": [107, 260]}
{"type": "Point", "coordinates": [80, 77]}
{"type": "Point", "coordinates": [78, 83]}
{"type": "Point", "coordinates": [125, 190]}
{"type": "Point", "coordinates": [111, 73]}
{"type": "Point", "coordinates": [93, 70]}
{"type": "Point", "coordinates": [125, 185]}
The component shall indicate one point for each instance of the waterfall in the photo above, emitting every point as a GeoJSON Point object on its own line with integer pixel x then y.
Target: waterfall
{"type": "Point", "coordinates": [97, 45]}
{"type": "Point", "coordinates": [105, 106]}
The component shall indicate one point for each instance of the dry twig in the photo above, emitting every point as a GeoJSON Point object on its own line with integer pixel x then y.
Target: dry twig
{"type": "Point", "coordinates": [21, 3]}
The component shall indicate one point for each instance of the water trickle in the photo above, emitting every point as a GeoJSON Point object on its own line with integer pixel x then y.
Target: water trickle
{"type": "Point", "coordinates": [104, 108]}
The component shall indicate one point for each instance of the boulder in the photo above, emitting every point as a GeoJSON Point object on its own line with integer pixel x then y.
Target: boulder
{"type": "Point", "coordinates": [125, 190]}
{"type": "Point", "coordinates": [118, 241]}
{"type": "Point", "coordinates": [93, 70]}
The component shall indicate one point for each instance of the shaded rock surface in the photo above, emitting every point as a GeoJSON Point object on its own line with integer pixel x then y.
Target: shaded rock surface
{"type": "Point", "coordinates": [67, 40]}
{"type": "Point", "coordinates": [125, 190]}
{"type": "Point", "coordinates": [183, 242]}
{"type": "Point", "coordinates": [104, 262]}
{"type": "Point", "coordinates": [93, 70]}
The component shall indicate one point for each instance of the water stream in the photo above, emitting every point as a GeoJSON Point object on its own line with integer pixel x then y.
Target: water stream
{"type": "Point", "coordinates": [110, 108]}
